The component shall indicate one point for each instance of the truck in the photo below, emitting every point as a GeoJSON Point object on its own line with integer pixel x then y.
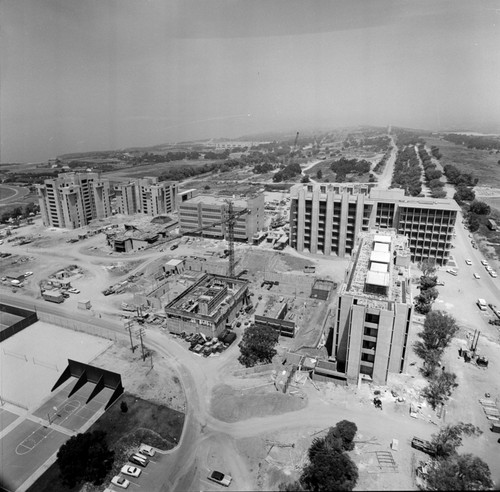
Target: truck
{"type": "Point", "coordinates": [53, 296]}
{"type": "Point", "coordinates": [423, 445]}
{"type": "Point", "coordinates": [481, 303]}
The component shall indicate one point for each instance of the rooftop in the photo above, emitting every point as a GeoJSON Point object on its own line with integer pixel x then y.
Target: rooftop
{"type": "Point", "coordinates": [217, 200]}
{"type": "Point", "coordinates": [374, 277]}
{"type": "Point", "coordinates": [215, 291]}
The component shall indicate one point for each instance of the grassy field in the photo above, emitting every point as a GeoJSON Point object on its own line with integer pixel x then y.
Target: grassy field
{"type": "Point", "coordinates": [144, 421]}
{"type": "Point", "coordinates": [153, 169]}
{"type": "Point", "coordinates": [483, 164]}
{"type": "Point", "coordinates": [328, 176]}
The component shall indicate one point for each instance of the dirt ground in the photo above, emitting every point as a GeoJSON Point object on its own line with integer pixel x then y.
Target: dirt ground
{"type": "Point", "coordinates": [159, 384]}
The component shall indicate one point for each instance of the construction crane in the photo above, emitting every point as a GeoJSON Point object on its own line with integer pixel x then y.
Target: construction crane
{"type": "Point", "coordinates": [295, 143]}
{"type": "Point", "coordinates": [229, 220]}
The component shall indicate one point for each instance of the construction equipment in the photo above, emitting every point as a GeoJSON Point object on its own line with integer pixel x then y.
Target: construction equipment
{"type": "Point", "coordinates": [229, 220]}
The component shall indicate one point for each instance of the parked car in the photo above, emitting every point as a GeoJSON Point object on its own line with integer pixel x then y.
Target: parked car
{"type": "Point", "coordinates": [28, 274]}
{"type": "Point", "coordinates": [484, 263]}
{"type": "Point", "coordinates": [468, 262]}
{"type": "Point", "coordinates": [475, 275]}
{"type": "Point", "coordinates": [132, 471]}
{"type": "Point", "coordinates": [73, 291]}
{"type": "Point", "coordinates": [147, 450]}
{"type": "Point", "coordinates": [439, 282]}
{"type": "Point", "coordinates": [174, 246]}
{"type": "Point", "coordinates": [136, 460]}
{"type": "Point", "coordinates": [120, 482]}
{"type": "Point", "coordinates": [220, 478]}
{"type": "Point", "coordinates": [452, 272]}
{"type": "Point", "coordinates": [493, 274]}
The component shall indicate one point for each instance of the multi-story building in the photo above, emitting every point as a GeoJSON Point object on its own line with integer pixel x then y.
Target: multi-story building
{"type": "Point", "coordinates": [201, 211]}
{"type": "Point", "coordinates": [207, 306]}
{"type": "Point", "coordinates": [327, 219]}
{"type": "Point", "coordinates": [374, 311]}
{"type": "Point", "coordinates": [147, 196]}
{"type": "Point", "coordinates": [125, 199]}
{"type": "Point", "coordinates": [72, 200]}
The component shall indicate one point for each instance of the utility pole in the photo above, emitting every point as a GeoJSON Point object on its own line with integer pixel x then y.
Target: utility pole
{"type": "Point", "coordinates": [140, 333]}
{"type": "Point", "coordinates": [128, 326]}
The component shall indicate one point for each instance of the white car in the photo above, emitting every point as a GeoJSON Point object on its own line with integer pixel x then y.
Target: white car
{"type": "Point", "coordinates": [493, 274]}
{"type": "Point", "coordinates": [147, 450]}
{"type": "Point", "coordinates": [484, 263]}
{"type": "Point", "coordinates": [452, 272]}
{"type": "Point", "coordinates": [468, 262]}
{"type": "Point", "coordinates": [133, 471]}
{"type": "Point", "coordinates": [489, 269]}
{"type": "Point", "coordinates": [27, 274]}
{"type": "Point", "coordinates": [476, 275]}
{"type": "Point", "coordinates": [219, 477]}
{"type": "Point", "coordinates": [120, 482]}
{"type": "Point", "coordinates": [73, 291]}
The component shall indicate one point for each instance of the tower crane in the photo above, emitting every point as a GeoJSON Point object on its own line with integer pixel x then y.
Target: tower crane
{"type": "Point", "coordinates": [229, 220]}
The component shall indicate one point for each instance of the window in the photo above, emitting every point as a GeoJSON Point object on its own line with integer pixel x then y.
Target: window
{"type": "Point", "coordinates": [372, 318]}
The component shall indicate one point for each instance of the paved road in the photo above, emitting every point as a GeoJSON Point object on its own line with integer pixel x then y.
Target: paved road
{"type": "Point", "coordinates": [385, 179]}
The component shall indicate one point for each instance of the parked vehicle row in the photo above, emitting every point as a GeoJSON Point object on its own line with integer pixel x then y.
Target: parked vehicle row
{"type": "Point", "coordinates": [139, 458]}
{"type": "Point", "coordinates": [204, 345]}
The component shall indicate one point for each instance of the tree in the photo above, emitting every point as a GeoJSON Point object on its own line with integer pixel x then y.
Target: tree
{"type": "Point", "coordinates": [305, 179]}
{"type": "Point", "coordinates": [85, 458]}
{"type": "Point", "coordinates": [319, 174]}
{"type": "Point", "coordinates": [345, 432]}
{"type": "Point", "coordinates": [479, 208]}
{"type": "Point", "coordinates": [460, 472]}
{"type": "Point", "coordinates": [439, 329]}
{"type": "Point", "coordinates": [124, 406]}
{"type": "Point", "coordinates": [427, 282]}
{"type": "Point", "coordinates": [449, 438]}
{"type": "Point", "coordinates": [464, 193]}
{"type": "Point", "coordinates": [428, 267]}
{"type": "Point", "coordinates": [329, 470]}
{"type": "Point", "coordinates": [258, 345]}
{"type": "Point", "coordinates": [440, 388]}
{"type": "Point", "coordinates": [473, 222]}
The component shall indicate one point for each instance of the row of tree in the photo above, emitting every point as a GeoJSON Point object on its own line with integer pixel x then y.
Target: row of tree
{"type": "Point", "coordinates": [452, 471]}
{"type": "Point", "coordinates": [474, 141]}
{"type": "Point", "coordinates": [437, 334]}
{"type": "Point", "coordinates": [428, 292]}
{"type": "Point", "coordinates": [432, 173]}
{"type": "Point", "coordinates": [383, 161]}
{"type": "Point", "coordinates": [329, 467]}
{"type": "Point", "coordinates": [407, 172]}
{"type": "Point", "coordinates": [20, 213]}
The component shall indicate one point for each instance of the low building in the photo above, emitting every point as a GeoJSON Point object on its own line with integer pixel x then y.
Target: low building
{"type": "Point", "coordinates": [374, 312]}
{"type": "Point", "coordinates": [207, 305]}
{"type": "Point", "coordinates": [201, 211]}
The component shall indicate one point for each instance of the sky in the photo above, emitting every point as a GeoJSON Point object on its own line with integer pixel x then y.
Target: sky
{"type": "Point", "coordinates": [83, 75]}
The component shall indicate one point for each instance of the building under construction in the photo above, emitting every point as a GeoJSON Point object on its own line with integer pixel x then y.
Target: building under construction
{"type": "Point", "coordinates": [208, 305]}
{"type": "Point", "coordinates": [370, 338]}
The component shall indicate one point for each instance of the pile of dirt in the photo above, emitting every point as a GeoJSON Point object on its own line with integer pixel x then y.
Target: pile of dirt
{"type": "Point", "coordinates": [231, 405]}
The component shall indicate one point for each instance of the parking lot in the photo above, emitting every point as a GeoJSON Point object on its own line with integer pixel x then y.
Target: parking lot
{"type": "Point", "coordinates": [150, 475]}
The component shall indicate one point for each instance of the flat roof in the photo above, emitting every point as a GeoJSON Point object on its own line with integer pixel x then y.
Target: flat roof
{"type": "Point", "coordinates": [174, 262]}
{"type": "Point", "coordinates": [380, 256]}
{"type": "Point", "coordinates": [378, 278]}
{"type": "Point", "coordinates": [380, 247]}
{"type": "Point", "coordinates": [382, 238]}
{"type": "Point", "coordinates": [379, 267]}
{"type": "Point", "coordinates": [216, 200]}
